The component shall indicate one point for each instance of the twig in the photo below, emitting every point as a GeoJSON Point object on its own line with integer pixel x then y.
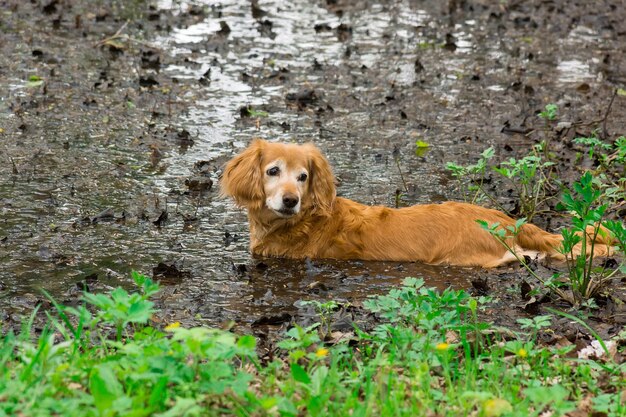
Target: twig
{"type": "Point", "coordinates": [397, 159]}
{"type": "Point", "coordinates": [115, 36]}
{"type": "Point", "coordinates": [123, 36]}
{"type": "Point", "coordinates": [606, 115]}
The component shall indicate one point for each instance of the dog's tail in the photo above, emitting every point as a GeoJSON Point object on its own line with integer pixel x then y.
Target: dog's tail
{"type": "Point", "coordinates": [534, 238]}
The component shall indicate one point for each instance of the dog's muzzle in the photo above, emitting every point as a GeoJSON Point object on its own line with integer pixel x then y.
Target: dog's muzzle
{"type": "Point", "coordinates": [289, 207]}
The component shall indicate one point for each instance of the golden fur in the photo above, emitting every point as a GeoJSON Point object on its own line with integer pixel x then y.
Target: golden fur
{"type": "Point", "coordinates": [322, 225]}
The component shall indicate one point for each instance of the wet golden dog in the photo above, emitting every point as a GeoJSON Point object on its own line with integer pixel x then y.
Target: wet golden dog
{"type": "Point", "coordinates": [289, 192]}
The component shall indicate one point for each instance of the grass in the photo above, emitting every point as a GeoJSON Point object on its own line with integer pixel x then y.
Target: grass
{"type": "Point", "coordinates": [429, 355]}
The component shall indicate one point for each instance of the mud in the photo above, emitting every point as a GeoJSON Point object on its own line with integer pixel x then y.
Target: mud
{"type": "Point", "coordinates": [116, 120]}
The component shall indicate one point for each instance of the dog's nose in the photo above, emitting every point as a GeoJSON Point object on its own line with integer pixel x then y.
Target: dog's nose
{"type": "Point", "coordinates": [290, 200]}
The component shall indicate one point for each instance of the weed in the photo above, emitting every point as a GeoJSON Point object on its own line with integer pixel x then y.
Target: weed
{"type": "Point", "coordinates": [610, 159]}
{"type": "Point", "coordinates": [550, 112]}
{"type": "Point", "coordinates": [121, 308]}
{"type": "Point", "coordinates": [325, 312]}
{"type": "Point", "coordinates": [89, 374]}
{"type": "Point", "coordinates": [584, 277]}
{"type": "Point", "coordinates": [535, 324]}
{"type": "Point", "coordinates": [471, 177]}
{"type": "Point", "coordinates": [593, 143]}
{"type": "Point", "coordinates": [531, 177]}
{"type": "Point", "coordinates": [549, 115]}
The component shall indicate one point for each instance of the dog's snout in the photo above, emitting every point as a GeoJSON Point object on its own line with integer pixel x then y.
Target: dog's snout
{"type": "Point", "coordinates": [290, 200]}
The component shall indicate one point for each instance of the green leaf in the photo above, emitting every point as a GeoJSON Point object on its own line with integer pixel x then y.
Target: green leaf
{"type": "Point", "coordinates": [158, 396]}
{"type": "Point", "coordinates": [315, 406]}
{"type": "Point", "coordinates": [241, 383]}
{"type": "Point", "coordinates": [247, 342]}
{"type": "Point", "coordinates": [488, 153]}
{"type": "Point", "coordinates": [119, 295]}
{"type": "Point", "coordinates": [550, 112]}
{"type": "Point", "coordinates": [422, 147]}
{"type": "Point", "coordinates": [99, 300]}
{"type": "Point", "coordinates": [413, 282]}
{"type": "Point", "coordinates": [140, 312]}
{"type": "Point", "coordinates": [34, 81]}
{"type": "Point", "coordinates": [257, 113]}
{"type": "Point", "coordinates": [483, 224]}
{"type": "Point", "coordinates": [519, 223]}
{"type": "Point", "coordinates": [299, 374]}
{"type": "Point", "coordinates": [287, 408]}
{"type": "Point", "coordinates": [268, 402]}
{"type": "Point", "coordinates": [104, 386]}
{"type": "Point", "coordinates": [183, 407]}
{"type": "Point", "coordinates": [318, 380]}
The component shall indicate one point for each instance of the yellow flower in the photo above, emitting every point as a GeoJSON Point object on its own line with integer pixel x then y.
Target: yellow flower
{"type": "Point", "coordinates": [496, 407]}
{"type": "Point", "coordinates": [522, 353]}
{"type": "Point", "coordinates": [442, 346]}
{"type": "Point", "coordinates": [321, 352]}
{"type": "Point", "coordinates": [172, 326]}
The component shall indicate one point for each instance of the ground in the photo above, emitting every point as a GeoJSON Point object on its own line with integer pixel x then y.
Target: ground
{"type": "Point", "coordinates": [115, 121]}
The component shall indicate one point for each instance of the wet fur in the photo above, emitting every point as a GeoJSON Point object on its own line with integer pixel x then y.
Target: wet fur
{"type": "Point", "coordinates": [333, 227]}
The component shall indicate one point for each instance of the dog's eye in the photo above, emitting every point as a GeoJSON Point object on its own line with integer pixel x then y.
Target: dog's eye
{"type": "Point", "coordinates": [302, 177]}
{"type": "Point", "coordinates": [273, 171]}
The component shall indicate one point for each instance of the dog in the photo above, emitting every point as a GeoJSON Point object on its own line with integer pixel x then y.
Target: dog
{"type": "Point", "coordinates": [290, 196]}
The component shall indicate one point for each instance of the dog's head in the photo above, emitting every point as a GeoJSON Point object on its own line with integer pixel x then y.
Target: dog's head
{"type": "Point", "coordinates": [283, 179]}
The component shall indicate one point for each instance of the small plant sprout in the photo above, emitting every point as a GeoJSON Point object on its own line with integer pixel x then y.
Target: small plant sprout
{"type": "Point", "coordinates": [610, 164]}
{"type": "Point", "coordinates": [531, 177]}
{"type": "Point", "coordinates": [535, 324]}
{"type": "Point", "coordinates": [593, 144]}
{"type": "Point", "coordinates": [471, 178]}
{"type": "Point", "coordinates": [548, 115]}
{"type": "Point", "coordinates": [121, 308]}
{"type": "Point", "coordinates": [588, 210]}
{"type": "Point", "coordinates": [324, 311]}
{"type": "Point", "coordinates": [550, 112]}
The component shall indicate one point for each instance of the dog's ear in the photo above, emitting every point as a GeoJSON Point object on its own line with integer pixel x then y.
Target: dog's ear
{"type": "Point", "coordinates": [322, 182]}
{"type": "Point", "coordinates": [242, 177]}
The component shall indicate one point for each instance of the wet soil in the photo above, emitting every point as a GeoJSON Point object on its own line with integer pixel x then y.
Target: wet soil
{"type": "Point", "coordinates": [116, 118]}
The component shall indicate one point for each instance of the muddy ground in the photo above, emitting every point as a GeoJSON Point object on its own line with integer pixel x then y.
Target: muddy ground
{"type": "Point", "coordinates": [116, 118]}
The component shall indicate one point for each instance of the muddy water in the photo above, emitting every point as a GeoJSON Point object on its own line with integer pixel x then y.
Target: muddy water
{"type": "Point", "coordinates": [382, 76]}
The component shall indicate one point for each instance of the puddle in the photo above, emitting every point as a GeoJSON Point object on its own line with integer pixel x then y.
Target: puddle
{"type": "Point", "coordinates": [385, 76]}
